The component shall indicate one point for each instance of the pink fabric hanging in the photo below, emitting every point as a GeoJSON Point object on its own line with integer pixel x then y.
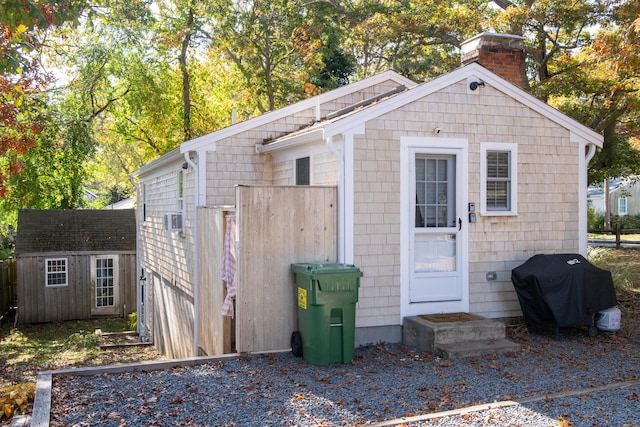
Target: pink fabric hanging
{"type": "Point", "coordinates": [229, 267]}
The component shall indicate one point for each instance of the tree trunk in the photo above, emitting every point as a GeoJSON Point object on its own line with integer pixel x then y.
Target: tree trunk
{"type": "Point", "coordinates": [186, 84]}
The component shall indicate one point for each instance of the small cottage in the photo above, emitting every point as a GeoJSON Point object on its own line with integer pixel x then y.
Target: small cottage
{"type": "Point", "coordinates": [435, 191]}
{"type": "Point", "coordinates": [75, 264]}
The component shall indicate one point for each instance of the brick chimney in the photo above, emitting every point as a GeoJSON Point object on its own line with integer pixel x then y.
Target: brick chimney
{"type": "Point", "coordinates": [502, 54]}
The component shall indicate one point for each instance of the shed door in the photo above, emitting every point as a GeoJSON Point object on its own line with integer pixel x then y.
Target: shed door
{"type": "Point", "coordinates": [104, 285]}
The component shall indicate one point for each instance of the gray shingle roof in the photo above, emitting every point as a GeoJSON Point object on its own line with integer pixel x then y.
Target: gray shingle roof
{"type": "Point", "coordinates": [75, 231]}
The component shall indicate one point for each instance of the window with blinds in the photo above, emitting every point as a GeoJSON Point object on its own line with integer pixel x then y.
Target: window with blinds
{"type": "Point", "coordinates": [498, 181]}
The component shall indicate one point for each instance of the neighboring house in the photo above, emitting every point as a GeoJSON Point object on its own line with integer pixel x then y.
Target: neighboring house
{"type": "Point", "coordinates": [595, 199]}
{"type": "Point", "coordinates": [442, 189]}
{"type": "Point", "coordinates": [128, 203]}
{"type": "Point", "coordinates": [625, 198]}
{"type": "Point", "coordinates": [75, 264]}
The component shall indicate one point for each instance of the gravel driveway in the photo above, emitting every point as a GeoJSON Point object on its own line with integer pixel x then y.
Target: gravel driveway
{"type": "Point", "coordinates": [570, 379]}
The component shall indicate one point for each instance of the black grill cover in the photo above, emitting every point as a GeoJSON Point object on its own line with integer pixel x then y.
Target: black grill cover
{"type": "Point", "coordinates": [562, 289]}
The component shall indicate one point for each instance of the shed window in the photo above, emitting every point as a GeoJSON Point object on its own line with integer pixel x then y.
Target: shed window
{"type": "Point", "coordinates": [56, 272]}
{"type": "Point", "coordinates": [303, 171]}
{"type": "Point", "coordinates": [498, 179]}
{"type": "Point", "coordinates": [622, 206]}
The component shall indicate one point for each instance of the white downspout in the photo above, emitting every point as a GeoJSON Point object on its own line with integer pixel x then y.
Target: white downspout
{"type": "Point", "coordinates": [590, 154]}
{"type": "Point", "coordinates": [138, 212]}
{"type": "Point", "coordinates": [342, 248]}
{"type": "Point", "coordinates": [583, 184]}
{"type": "Point", "coordinates": [196, 262]}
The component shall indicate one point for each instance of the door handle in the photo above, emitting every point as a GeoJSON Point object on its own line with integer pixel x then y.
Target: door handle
{"type": "Point", "coordinates": [459, 224]}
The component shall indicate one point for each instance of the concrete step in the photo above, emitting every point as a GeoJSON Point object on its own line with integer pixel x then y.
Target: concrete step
{"type": "Point", "coordinates": [456, 334]}
{"type": "Point", "coordinates": [476, 348]}
{"type": "Point", "coordinates": [449, 333]}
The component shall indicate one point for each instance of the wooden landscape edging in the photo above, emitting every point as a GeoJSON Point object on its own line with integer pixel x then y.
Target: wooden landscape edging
{"type": "Point", "coordinates": [41, 414]}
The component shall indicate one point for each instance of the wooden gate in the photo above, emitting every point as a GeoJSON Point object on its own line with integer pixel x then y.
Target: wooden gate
{"type": "Point", "coordinates": [278, 226]}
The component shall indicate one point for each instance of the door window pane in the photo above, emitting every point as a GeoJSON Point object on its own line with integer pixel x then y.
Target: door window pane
{"type": "Point", "coordinates": [435, 201]}
{"type": "Point", "coordinates": [435, 253]}
{"type": "Point", "coordinates": [104, 282]}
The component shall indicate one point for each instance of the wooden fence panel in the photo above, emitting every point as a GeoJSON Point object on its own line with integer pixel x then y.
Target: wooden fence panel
{"type": "Point", "coordinates": [278, 226]}
{"type": "Point", "coordinates": [214, 336]}
{"type": "Point", "coordinates": [8, 294]}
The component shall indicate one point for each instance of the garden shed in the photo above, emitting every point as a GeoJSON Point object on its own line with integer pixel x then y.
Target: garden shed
{"type": "Point", "coordinates": [75, 264]}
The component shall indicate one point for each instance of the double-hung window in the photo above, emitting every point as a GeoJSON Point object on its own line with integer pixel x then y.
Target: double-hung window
{"type": "Point", "coordinates": [622, 206]}
{"type": "Point", "coordinates": [498, 179]}
{"type": "Point", "coordinates": [56, 273]}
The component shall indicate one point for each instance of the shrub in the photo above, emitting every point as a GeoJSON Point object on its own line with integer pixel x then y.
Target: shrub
{"type": "Point", "coordinates": [133, 321]}
{"type": "Point", "coordinates": [595, 220]}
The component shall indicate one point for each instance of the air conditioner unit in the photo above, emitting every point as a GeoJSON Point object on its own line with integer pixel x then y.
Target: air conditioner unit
{"type": "Point", "coordinates": [173, 221]}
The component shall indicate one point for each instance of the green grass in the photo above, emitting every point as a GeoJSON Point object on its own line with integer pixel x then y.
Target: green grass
{"type": "Point", "coordinates": [28, 349]}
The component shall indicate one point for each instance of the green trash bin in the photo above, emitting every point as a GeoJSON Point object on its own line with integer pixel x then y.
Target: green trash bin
{"type": "Point", "coordinates": [327, 296]}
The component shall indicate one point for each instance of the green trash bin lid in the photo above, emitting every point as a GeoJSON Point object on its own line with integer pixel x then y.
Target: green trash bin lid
{"type": "Point", "coordinates": [312, 269]}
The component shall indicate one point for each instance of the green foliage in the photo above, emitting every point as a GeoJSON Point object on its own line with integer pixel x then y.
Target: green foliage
{"type": "Point", "coordinates": [82, 340]}
{"type": "Point", "coordinates": [625, 222]}
{"type": "Point", "coordinates": [134, 72]}
{"type": "Point", "coordinates": [418, 39]}
{"type": "Point", "coordinates": [595, 220]}
{"type": "Point", "coordinates": [112, 195]}
{"type": "Point", "coordinates": [8, 245]}
{"type": "Point", "coordinates": [132, 321]}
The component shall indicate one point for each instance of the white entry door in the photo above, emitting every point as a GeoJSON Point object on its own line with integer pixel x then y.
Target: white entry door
{"type": "Point", "coordinates": [435, 262]}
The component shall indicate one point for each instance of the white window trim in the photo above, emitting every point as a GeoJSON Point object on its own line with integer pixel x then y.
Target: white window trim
{"type": "Point", "coordinates": [295, 167]}
{"type": "Point", "coordinates": [512, 148]}
{"type": "Point", "coordinates": [46, 272]}
{"type": "Point", "coordinates": [622, 212]}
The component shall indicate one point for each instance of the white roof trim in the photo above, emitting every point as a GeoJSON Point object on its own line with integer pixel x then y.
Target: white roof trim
{"type": "Point", "coordinates": [166, 160]}
{"type": "Point", "coordinates": [310, 103]}
{"type": "Point", "coordinates": [472, 70]}
{"type": "Point", "coordinates": [314, 134]}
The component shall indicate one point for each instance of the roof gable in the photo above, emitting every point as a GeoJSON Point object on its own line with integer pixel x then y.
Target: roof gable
{"type": "Point", "coordinates": [75, 231]}
{"type": "Point", "coordinates": [473, 70]}
{"type": "Point", "coordinates": [356, 119]}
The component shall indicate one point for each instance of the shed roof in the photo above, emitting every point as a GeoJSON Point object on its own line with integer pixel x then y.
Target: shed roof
{"type": "Point", "coordinates": [75, 231]}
